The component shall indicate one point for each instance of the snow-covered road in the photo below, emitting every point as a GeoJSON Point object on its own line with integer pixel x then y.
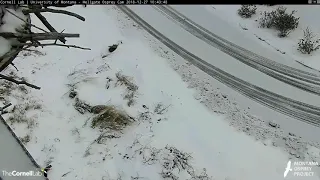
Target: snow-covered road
{"type": "Point", "coordinates": [264, 89]}
{"type": "Point", "coordinates": [265, 65]}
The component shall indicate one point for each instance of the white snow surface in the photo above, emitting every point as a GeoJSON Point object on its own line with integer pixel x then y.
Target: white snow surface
{"type": "Point", "coordinates": [60, 137]}
{"type": "Point", "coordinates": [308, 18]}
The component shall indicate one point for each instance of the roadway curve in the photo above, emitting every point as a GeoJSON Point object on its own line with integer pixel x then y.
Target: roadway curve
{"type": "Point", "coordinates": [251, 59]}
{"type": "Point", "coordinates": [224, 44]}
{"type": "Point", "coordinates": [238, 76]}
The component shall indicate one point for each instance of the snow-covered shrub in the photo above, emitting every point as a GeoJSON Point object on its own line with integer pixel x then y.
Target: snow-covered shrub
{"type": "Point", "coordinates": [25, 139]}
{"type": "Point", "coordinates": [246, 11]}
{"type": "Point", "coordinates": [280, 20]}
{"type": "Point", "coordinates": [266, 20]}
{"type": "Point", "coordinates": [130, 86]}
{"type": "Point", "coordinates": [308, 43]}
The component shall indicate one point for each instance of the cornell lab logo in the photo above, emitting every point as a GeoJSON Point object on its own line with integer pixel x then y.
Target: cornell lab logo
{"type": "Point", "coordinates": [300, 168]}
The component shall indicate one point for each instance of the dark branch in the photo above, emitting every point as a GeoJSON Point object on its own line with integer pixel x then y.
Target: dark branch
{"type": "Point", "coordinates": [54, 44]}
{"type": "Point", "coordinates": [37, 36]}
{"type": "Point", "coordinates": [48, 25]}
{"type": "Point", "coordinates": [27, 11]}
{"type": "Point", "coordinates": [57, 38]}
{"type": "Point", "coordinates": [65, 45]}
{"type": "Point", "coordinates": [26, 21]}
{"type": "Point", "coordinates": [14, 66]}
{"type": "Point", "coordinates": [4, 107]}
{"type": "Point", "coordinates": [18, 82]}
{"type": "Point", "coordinates": [7, 59]}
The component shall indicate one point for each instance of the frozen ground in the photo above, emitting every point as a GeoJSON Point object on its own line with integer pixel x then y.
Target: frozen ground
{"type": "Point", "coordinates": [167, 119]}
{"type": "Point", "coordinates": [287, 45]}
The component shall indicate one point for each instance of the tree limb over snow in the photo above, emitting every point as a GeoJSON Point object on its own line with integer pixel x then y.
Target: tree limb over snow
{"type": "Point", "coordinates": [18, 82]}
{"type": "Point", "coordinates": [48, 25]}
{"type": "Point", "coordinates": [3, 108]}
{"type": "Point", "coordinates": [25, 21]}
{"type": "Point", "coordinates": [7, 59]}
{"type": "Point", "coordinates": [25, 38]}
{"type": "Point", "coordinates": [38, 36]}
{"type": "Point", "coordinates": [27, 11]}
{"type": "Point", "coordinates": [54, 44]}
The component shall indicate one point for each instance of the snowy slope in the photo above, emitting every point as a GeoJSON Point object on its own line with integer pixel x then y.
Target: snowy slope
{"type": "Point", "coordinates": [308, 18]}
{"type": "Point", "coordinates": [60, 135]}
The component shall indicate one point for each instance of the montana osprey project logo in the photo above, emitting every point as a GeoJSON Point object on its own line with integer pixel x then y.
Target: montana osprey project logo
{"type": "Point", "coordinates": [300, 168]}
{"type": "Point", "coordinates": [288, 168]}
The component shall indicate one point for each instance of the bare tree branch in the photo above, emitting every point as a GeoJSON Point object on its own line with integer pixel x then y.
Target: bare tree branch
{"type": "Point", "coordinates": [18, 82]}
{"type": "Point", "coordinates": [65, 45]}
{"type": "Point", "coordinates": [38, 36]}
{"type": "Point", "coordinates": [48, 25]}
{"type": "Point", "coordinates": [4, 107]}
{"type": "Point", "coordinates": [57, 38]}
{"type": "Point", "coordinates": [7, 59]}
{"type": "Point", "coordinates": [26, 21]}
{"type": "Point", "coordinates": [14, 66]}
{"type": "Point", "coordinates": [54, 44]}
{"type": "Point", "coordinates": [30, 39]}
{"type": "Point", "coordinates": [27, 11]}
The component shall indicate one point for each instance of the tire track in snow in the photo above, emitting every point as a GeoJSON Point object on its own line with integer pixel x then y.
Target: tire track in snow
{"type": "Point", "coordinates": [299, 110]}
{"type": "Point", "coordinates": [266, 61]}
{"type": "Point", "coordinates": [243, 55]}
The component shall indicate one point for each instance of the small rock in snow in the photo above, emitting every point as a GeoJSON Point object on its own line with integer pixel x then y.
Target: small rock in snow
{"type": "Point", "coordinates": [273, 124]}
{"type": "Point", "coordinates": [72, 94]}
{"type": "Point", "coordinates": [291, 134]}
{"type": "Point", "coordinates": [113, 48]}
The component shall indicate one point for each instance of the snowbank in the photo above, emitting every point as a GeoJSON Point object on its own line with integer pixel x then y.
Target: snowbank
{"type": "Point", "coordinates": [59, 133]}
{"type": "Point", "coordinates": [286, 45]}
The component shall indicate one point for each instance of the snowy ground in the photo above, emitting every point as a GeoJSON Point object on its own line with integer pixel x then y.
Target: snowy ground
{"type": "Point", "coordinates": [167, 119]}
{"type": "Point", "coordinates": [286, 45]}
